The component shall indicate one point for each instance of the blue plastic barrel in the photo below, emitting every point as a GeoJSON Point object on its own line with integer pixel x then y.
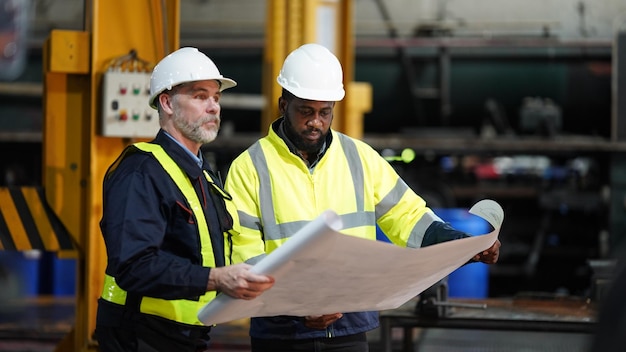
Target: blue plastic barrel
{"type": "Point", "coordinates": [24, 267]}
{"type": "Point", "coordinates": [64, 277]}
{"type": "Point", "coordinates": [58, 275]}
{"type": "Point", "coordinates": [470, 280]}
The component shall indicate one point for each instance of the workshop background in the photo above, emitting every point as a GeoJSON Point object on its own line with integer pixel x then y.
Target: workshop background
{"type": "Point", "coordinates": [523, 102]}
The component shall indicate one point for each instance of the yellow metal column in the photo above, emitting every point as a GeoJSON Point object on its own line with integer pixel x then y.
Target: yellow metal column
{"type": "Point", "coordinates": [65, 151]}
{"type": "Point", "coordinates": [292, 23]}
{"type": "Point", "coordinates": [288, 25]}
{"type": "Point", "coordinates": [76, 156]}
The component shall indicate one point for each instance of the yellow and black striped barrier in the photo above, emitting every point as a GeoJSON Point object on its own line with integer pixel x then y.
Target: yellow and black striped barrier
{"type": "Point", "coordinates": [28, 222]}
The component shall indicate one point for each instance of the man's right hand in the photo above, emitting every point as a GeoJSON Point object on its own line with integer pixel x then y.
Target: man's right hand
{"type": "Point", "coordinates": [321, 322]}
{"type": "Point", "coordinates": [237, 281]}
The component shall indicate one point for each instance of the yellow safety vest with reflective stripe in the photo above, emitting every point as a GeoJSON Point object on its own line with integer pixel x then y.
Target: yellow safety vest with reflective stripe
{"type": "Point", "coordinates": [277, 194]}
{"type": "Point", "coordinates": [181, 310]}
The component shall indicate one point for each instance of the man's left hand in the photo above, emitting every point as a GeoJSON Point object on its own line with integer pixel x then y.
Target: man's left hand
{"type": "Point", "coordinates": [489, 255]}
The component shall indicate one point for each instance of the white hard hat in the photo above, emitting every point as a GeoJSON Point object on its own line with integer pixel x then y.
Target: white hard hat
{"type": "Point", "coordinates": [184, 65]}
{"type": "Point", "coordinates": [312, 72]}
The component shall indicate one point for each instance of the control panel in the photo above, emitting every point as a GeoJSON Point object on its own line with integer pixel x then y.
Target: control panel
{"type": "Point", "coordinates": [125, 109]}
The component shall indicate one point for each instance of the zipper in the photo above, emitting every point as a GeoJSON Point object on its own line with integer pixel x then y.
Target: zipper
{"type": "Point", "coordinates": [330, 331]}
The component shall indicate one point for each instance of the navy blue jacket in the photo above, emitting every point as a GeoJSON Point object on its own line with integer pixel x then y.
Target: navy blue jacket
{"type": "Point", "coordinates": [152, 241]}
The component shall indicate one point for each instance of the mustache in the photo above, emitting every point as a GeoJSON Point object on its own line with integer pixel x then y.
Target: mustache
{"type": "Point", "coordinates": [209, 118]}
{"type": "Point", "coordinates": [312, 130]}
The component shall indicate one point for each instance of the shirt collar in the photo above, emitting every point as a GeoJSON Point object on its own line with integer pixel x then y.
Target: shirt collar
{"type": "Point", "coordinates": [185, 160]}
{"type": "Point", "coordinates": [196, 158]}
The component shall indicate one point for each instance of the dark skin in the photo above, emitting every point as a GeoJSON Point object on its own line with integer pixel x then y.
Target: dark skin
{"type": "Point", "coordinates": [307, 122]}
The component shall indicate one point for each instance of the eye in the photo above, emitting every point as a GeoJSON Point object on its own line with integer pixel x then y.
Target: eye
{"type": "Point", "coordinates": [305, 111]}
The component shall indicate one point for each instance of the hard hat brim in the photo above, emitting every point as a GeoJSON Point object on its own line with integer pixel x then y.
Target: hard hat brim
{"type": "Point", "coordinates": [225, 83]}
{"type": "Point", "coordinates": [316, 94]}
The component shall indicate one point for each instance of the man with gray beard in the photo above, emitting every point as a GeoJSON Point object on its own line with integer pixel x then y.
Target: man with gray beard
{"type": "Point", "coordinates": [171, 231]}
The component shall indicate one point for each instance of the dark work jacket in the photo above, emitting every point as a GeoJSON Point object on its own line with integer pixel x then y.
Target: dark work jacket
{"type": "Point", "coordinates": [153, 244]}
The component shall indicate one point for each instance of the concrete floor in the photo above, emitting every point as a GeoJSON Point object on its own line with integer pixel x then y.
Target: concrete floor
{"type": "Point", "coordinates": [38, 324]}
{"type": "Point", "coordinates": [449, 340]}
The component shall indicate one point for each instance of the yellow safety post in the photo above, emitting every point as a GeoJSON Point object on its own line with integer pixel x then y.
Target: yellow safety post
{"type": "Point", "coordinates": [76, 156]}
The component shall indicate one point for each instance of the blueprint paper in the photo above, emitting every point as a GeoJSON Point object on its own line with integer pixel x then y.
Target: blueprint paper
{"type": "Point", "coordinates": [321, 271]}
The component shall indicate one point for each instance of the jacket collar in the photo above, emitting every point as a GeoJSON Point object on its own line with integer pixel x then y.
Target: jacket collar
{"type": "Point", "coordinates": [278, 128]}
{"type": "Point", "coordinates": [182, 158]}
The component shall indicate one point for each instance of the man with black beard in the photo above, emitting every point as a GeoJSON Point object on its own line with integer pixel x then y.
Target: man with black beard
{"type": "Point", "coordinates": [171, 230]}
{"type": "Point", "coordinates": [302, 168]}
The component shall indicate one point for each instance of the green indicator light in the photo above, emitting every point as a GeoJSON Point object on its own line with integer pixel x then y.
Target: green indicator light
{"type": "Point", "coordinates": [407, 155]}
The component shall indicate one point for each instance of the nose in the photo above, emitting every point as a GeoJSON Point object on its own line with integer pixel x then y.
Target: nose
{"type": "Point", "coordinates": [213, 106]}
{"type": "Point", "coordinates": [315, 121]}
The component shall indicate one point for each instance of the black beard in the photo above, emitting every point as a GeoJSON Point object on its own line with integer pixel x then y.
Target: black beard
{"type": "Point", "coordinates": [301, 144]}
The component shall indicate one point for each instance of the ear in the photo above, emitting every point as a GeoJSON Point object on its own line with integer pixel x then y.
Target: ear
{"type": "Point", "coordinates": [282, 105]}
{"type": "Point", "coordinates": [165, 100]}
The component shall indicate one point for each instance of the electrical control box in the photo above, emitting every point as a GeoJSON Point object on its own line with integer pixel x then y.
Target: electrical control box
{"type": "Point", "coordinates": [125, 108]}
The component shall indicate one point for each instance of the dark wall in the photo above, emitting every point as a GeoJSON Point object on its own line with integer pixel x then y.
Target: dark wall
{"type": "Point", "coordinates": [580, 86]}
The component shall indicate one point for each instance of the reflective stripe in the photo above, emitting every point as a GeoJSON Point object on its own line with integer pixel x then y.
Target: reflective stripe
{"type": "Point", "coordinates": [182, 311]}
{"type": "Point", "coordinates": [256, 259]}
{"type": "Point", "coordinates": [266, 200]}
{"type": "Point", "coordinates": [356, 169]}
{"type": "Point", "coordinates": [418, 231]}
{"type": "Point", "coordinates": [362, 218]}
{"type": "Point", "coordinates": [350, 220]}
{"type": "Point", "coordinates": [111, 292]}
{"type": "Point", "coordinates": [392, 198]}
{"type": "Point", "coordinates": [249, 221]}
